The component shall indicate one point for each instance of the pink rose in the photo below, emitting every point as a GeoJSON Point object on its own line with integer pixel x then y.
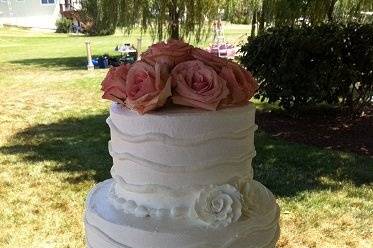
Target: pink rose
{"type": "Point", "coordinates": [171, 53]}
{"type": "Point", "coordinates": [240, 82]}
{"type": "Point", "coordinates": [197, 85]}
{"type": "Point", "coordinates": [114, 84]}
{"type": "Point", "coordinates": [146, 87]}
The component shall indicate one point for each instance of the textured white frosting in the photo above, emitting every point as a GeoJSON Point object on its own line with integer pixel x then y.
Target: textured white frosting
{"type": "Point", "coordinates": [182, 178]}
{"type": "Point", "coordinates": [161, 160]}
{"type": "Point", "coordinates": [107, 227]}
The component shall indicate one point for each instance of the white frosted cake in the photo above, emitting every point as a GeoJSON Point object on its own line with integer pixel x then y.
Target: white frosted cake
{"type": "Point", "coordinates": [182, 178]}
{"type": "Point", "coordinates": [182, 142]}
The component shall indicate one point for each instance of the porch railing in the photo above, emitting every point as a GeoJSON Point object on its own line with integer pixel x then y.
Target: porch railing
{"type": "Point", "coordinates": [70, 5]}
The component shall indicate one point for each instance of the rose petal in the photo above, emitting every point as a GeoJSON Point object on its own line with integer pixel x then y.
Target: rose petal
{"type": "Point", "coordinates": [197, 85]}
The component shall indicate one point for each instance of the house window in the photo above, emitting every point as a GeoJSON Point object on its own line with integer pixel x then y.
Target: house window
{"type": "Point", "coordinates": [47, 1]}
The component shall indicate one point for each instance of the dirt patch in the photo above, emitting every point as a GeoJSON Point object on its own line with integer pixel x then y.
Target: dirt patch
{"type": "Point", "coordinates": [327, 129]}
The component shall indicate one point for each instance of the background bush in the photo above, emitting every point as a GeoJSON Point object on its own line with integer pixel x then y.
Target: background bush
{"type": "Point", "coordinates": [63, 25]}
{"type": "Point", "coordinates": [302, 66]}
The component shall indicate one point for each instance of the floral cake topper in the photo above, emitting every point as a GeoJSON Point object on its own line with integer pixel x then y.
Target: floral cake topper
{"type": "Point", "coordinates": [187, 75]}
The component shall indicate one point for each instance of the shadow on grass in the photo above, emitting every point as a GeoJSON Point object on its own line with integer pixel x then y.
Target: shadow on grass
{"type": "Point", "coordinates": [288, 168]}
{"type": "Point", "coordinates": [62, 63]}
{"type": "Point", "coordinates": [80, 145]}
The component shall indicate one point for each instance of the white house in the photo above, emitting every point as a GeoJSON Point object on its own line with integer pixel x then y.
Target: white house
{"type": "Point", "coordinates": [34, 13]}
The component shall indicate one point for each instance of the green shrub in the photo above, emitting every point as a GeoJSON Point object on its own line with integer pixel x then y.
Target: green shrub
{"type": "Point", "coordinates": [308, 65]}
{"type": "Point", "coordinates": [63, 25]}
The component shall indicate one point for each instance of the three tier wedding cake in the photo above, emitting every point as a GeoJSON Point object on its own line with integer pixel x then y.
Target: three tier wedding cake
{"type": "Point", "coordinates": [182, 142]}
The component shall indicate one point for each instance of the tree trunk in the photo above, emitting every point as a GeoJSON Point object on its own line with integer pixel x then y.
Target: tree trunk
{"type": "Point", "coordinates": [262, 17]}
{"type": "Point", "coordinates": [331, 10]}
{"type": "Point", "coordinates": [261, 22]}
{"type": "Point", "coordinates": [253, 24]}
{"type": "Point", "coordinates": [174, 20]}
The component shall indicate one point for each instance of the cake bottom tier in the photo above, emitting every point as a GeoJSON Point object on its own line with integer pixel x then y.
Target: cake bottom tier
{"type": "Point", "coordinates": [107, 227]}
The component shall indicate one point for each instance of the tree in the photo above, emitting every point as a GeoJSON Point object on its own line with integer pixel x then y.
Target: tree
{"type": "Point", "coordinates": [164, 18]}
{"type": "Point", "coordinates": [103, 16]}
{"type": "Point", "coordinates": [349, 10]}
{"type": "Point", "coordinates": [184, 18]}
{"type": "Point", "coordinates": [266, 13]}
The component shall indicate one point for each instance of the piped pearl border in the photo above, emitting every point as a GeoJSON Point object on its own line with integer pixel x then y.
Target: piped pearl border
{"type": "Point", "coordinates": [130, 207]}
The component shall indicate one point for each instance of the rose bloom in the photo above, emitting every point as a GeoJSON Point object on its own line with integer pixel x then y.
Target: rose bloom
{"type": "Point", "coordinates": [197, 85]}
{"type": "Point", "coordinates": [171, 53]}
{"type": "Point", "coordinates": [240, 82]}
{"type": "Point", "coordinates": [146, 87]}
{"type": "Point", "coordinates": [114, 84]}
{"type": "Point", "coordinates": [218, 206]}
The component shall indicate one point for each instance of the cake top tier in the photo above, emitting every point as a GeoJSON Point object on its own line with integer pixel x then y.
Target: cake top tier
{"type": "Point", "coordinates": [185, 146]}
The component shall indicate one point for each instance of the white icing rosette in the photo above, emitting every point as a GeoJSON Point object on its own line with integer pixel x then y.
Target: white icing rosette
{"type": "Point", "coordinates": [218, 206]}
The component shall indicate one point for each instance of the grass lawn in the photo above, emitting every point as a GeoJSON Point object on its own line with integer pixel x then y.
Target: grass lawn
{"type": "Point", "coordinates": [53, 149]}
